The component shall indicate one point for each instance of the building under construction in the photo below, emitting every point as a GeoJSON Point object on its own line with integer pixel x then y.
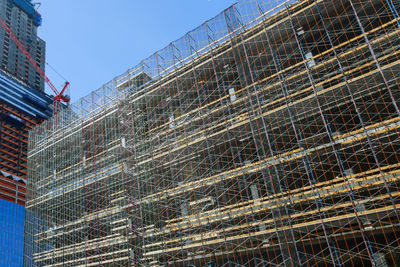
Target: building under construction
{"type": "Point", "coordinates": [267, 136]}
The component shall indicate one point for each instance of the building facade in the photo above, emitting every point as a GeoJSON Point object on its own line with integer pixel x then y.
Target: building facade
{"type": "Point", "coordinates": [23, 105]}
{"type": "Point", "coordinates": [23, 20]}
{"type": "Point", "coordinates": [267, 136]}
{"type": "Point", "coordinates": [21, 109]}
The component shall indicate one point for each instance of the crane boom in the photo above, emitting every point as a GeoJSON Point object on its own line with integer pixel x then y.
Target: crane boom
{"type": "Point", "coordinates": [59, 96]}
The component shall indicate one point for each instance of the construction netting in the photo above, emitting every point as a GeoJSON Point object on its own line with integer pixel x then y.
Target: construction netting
{"type": "Point", "coordinates": [267, 136]}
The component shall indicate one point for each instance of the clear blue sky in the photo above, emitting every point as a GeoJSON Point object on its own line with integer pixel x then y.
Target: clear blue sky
{"type": "Point", "coordinates": [90, 42]}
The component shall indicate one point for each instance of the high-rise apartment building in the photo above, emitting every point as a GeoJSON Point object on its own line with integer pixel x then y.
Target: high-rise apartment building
{"type": "Point", "coordinates": [23, 20]}
{"type": "Point", "coordinates": [23, 105]}
{"type": "Point", "coordinates": [267, 136]}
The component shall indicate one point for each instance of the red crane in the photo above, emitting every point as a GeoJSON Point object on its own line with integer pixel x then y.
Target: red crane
{"type": "Point", "coordinates": [59, 97]}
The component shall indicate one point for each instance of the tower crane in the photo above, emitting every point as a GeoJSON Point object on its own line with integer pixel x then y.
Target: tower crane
{"type": "Point", "coordinates": [60, 97]}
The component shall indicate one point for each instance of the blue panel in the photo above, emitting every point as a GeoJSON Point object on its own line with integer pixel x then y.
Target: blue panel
{"type": "Point", "coordinates": [29, 9]}
{"type": "Point", "coordinates": [26, 6]}
{"type": "Point", "coordinates": [11, 233]}
{"type": "Point", "coordinates": [31, 101]}
{"type": "Point", "coordinates": [37, 19]}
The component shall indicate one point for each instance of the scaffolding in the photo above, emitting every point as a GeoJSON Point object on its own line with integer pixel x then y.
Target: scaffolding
{"type": "Point", "coordinates": [267, 136]}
